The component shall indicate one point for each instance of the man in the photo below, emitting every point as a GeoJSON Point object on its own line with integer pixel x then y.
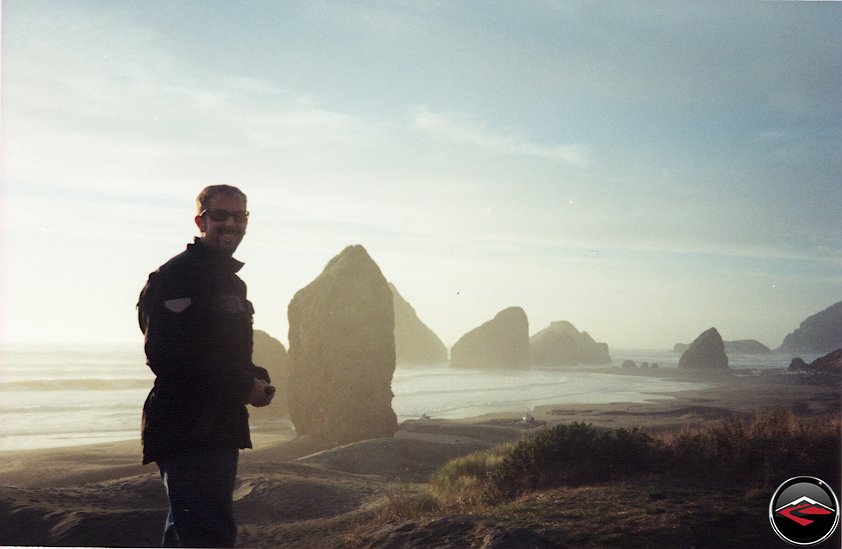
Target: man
{"type": "Point", "coordinates": [197, 325]}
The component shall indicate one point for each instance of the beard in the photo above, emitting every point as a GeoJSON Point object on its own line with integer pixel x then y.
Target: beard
{"type": "Point", "coordinates": [225, 239]}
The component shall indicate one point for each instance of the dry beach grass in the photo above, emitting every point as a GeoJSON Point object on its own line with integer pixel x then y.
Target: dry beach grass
{"type": "Point", "coordinates": [297, 492]}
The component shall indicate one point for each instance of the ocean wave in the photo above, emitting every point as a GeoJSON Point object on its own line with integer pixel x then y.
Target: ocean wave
{"type": "Point", "coordinates": [516, 388]}
{"type": "Point", "coordinates": [24, 373]}
{"type": "Point", "coordinates": [100, 410]}
{"type": "Point", "coordinates": [102, 430]}
{"type": "Point", "coordinates": [75, 385]}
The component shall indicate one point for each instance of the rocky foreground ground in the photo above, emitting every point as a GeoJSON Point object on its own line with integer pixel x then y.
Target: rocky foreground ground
{"type": "Point", "coordinates": [296, 492]}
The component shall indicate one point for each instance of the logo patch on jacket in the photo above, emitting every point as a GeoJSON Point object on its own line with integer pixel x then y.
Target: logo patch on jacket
{"type": "Point", "coordinates": [178, 305]}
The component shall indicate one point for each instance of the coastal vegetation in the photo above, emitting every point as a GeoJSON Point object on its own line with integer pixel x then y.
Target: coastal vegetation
{"type": "Point", "coordinates": [577, 485]}
{"type": "Point", "coordinates": [743, 450]}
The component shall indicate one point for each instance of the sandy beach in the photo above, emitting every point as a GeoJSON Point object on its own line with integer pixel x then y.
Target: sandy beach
{"type": "Point", "coordinates": [298, 492]}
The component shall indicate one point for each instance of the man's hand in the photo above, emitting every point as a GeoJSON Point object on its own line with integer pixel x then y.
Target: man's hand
{"type": "Point", "coordinates": [261, 393]}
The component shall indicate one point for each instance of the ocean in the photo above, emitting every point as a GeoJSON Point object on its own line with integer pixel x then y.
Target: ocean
{"type": "Point", "coordinates": [53, 396]}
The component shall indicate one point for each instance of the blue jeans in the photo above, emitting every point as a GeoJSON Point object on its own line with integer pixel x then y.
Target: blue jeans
{"type": "Point", "coordinates": [200, 488]}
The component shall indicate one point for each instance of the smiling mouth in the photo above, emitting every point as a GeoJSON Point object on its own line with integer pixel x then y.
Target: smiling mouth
{"type": "Point", "coordinates": [229, 238]}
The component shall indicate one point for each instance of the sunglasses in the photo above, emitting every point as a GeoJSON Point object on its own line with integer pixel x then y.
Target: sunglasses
{"type": "Point", "coordinates": [222, 215]}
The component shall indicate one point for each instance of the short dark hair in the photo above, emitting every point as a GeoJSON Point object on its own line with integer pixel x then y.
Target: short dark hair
{"type": "Point", "coordinates": [212, 190]}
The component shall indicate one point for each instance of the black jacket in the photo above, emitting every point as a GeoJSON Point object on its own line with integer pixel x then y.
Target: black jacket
{"type": "Point", "coordinates": [197, 324]}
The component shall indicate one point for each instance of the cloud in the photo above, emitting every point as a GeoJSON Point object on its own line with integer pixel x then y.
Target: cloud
{"type": "Point", "coordinates": [102, 104]}
{"type": "Point", "coordinates": [461, 129]}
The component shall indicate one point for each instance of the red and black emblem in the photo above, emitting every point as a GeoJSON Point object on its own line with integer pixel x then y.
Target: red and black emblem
{"type": "Point", "coordinates": [804, 511]}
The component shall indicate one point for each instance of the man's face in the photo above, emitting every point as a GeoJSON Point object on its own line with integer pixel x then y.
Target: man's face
{"type": "Point", "coordinates": [223, 235]}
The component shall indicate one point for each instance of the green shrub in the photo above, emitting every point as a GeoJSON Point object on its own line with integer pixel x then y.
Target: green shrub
{"type": "Point", "coordinates": [774, 446]}
{"type": "Point", "coordinates": [461, 481]}
{"type": "Point", "coordinates": [571, 454]}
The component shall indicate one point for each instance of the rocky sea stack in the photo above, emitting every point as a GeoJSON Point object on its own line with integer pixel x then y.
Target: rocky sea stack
{"type": "Point", "coordinates": [746, 347]}
{"type": "Point", "coordinates": [561, 344]}
{"type": "Point", "coordinates": [270, 354]}
{"type": "Point", "coordinates": [819, 333]}
{"type": "Point", "coordinates": [342, 352]}
{"type": "Point", "coordinates": [502, 342]}
{"type": "Point", "coordinates": [707, 352]}
{"type": "Point", "coordinates": [738, 347]}
{"type": "Point", "coordinates": [830, 363]}
{"type": "Point", "coordinates": [415, 343]}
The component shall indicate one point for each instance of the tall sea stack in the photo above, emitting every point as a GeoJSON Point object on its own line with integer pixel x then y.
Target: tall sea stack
{"type": "Point", "coordinates": [342, 352]}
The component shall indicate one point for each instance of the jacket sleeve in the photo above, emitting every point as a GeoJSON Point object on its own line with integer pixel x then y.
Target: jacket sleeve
{"type": "Point", "coordinates": [260, 373]}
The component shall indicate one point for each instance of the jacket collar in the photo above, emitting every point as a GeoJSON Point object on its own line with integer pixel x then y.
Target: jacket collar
{"type": "Point", "coordinates": [212, 257]}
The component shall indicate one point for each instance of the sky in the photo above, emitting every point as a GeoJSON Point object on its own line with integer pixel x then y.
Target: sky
{"type": "Point", "coordinates": [643, 170]}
